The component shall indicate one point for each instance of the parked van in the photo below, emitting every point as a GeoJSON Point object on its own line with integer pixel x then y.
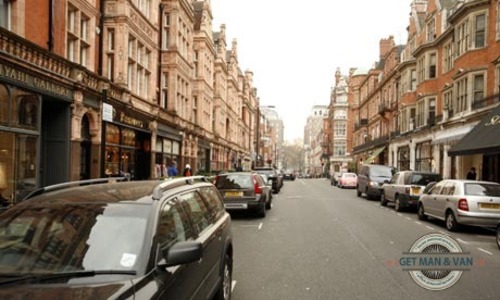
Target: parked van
{"type": "Point", "coordinates": [371, 178]}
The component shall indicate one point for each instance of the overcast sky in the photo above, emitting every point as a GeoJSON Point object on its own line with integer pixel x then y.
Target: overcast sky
{"type": "Point", "coordinates": [294, 47]}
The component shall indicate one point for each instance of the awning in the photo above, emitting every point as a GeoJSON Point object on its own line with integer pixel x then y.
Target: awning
{"type": "Point", "coordinates": [374, 154]}
{"type": "Point", "coordinates": [450, 135]}
{"type": "Point", "coordinates": [484, 138]}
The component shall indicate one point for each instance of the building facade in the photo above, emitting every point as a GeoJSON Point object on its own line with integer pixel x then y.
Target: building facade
{"type": "Point", "coordinates": [118, 88]}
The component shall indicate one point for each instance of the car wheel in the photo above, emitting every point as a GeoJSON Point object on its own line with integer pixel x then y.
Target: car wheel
{"type": "Point", "coordinates": [498, 237]}
{"type": "Point", "coordinates": [451, 222]}
{"type": "Point", "coordinates": [358, 192]}
{"type": "Point", "coordinates": [397, 204]}
{"type": "Point", "coordinates": [383, 201]}
{"type": "Point", "coordinates": [262, 211]}
{"type": "Point", "coordinates": [269, 203]}
{"type": "Point", "coordinates": [421, 212]}
{"type": "Point", "coordinates": [224, 292]}
{"type": "Point", "coordinates": [368, 197]}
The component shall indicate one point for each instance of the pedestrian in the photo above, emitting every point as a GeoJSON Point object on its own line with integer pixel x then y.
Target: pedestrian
{"type": "Point", "coordinates": [187, 171]}
{"type": "Point", "coordinates": [471, 175]}
{"type": "Point", "coordinates": [172, 170]}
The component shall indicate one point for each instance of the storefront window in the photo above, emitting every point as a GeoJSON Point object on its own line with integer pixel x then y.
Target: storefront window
{"type": "Point", "coordinates": [165, 156]}
{"type": "Point", "coordinates": [6, 166]}
{"type": "Point", "coordinates": [112, 161]}
{"type": "Point", "coordinates": [4, 105]}
{"type": "Point", "coordinates": [25, 109]}
{"type": "Point", "coordinates": [404, 158]}
{"type": "Point", "coordinates": [128, 137]}
{"type": "Point", "coordinates": [423, 157]}
{"type": "Point", "coordinates": [112, 134]}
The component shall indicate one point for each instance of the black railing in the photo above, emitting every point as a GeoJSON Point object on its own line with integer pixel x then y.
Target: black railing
{"type": "Point", "coordinates": [477, 104]}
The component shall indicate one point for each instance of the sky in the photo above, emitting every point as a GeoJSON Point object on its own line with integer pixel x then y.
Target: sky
{"type": "Point", "coordinates": [294, 48]}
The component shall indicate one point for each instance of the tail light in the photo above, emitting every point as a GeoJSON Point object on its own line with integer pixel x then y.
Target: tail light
{"type": "Point", "coordinates": [407, 190]}
{"type": "Point", "coordinates": [463, 205]}
{"type": "Point", "coordinates": [256, 186]}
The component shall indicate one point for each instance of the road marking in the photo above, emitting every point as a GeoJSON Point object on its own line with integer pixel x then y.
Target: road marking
{"type": "Point", "coordinates": [462, 241]}
{"type": "Point", "coordinates": [391, 242]}
{"type": "Point", "coordinates": [431, 228]}
{"type": "Point", "coordinates": [409, 219]}
{"type": "Point", "coordinates": [400, 214]}
{"type": "Point", "coordinates": [487, 252]}
{"type": "Point", "coordinates": [233, 284]}
{"type": "Point", "coordinates": [260, 226]}
{"type": "Point", "coordinates": [419, 223]}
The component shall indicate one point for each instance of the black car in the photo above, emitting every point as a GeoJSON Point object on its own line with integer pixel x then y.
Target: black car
{"type": "Point", "coordinates": [289, 175]}
{"type": "Point", "coordinates": [104, 239]}
{"type": "Point", "coordinates": [245, 191]}
{"type": "Point", "coordinates": [272, 174]}
{"type": "Point", "coordinates": [371, 178]}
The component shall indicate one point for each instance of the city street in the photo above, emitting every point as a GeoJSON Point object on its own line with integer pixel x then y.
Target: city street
{"type": "Point", "coordinates": [322, 242]}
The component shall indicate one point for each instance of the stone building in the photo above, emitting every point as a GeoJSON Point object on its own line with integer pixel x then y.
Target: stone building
{"type": "Point", "coordinates": [437, 96]}
{"type": "Point", "coordinates": [118, 88]}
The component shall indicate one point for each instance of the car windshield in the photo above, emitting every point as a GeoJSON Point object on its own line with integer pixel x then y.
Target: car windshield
{"type": "Point", "coordinates": [349, 175]}
{"type": "Point", "coordinates": [482, 189]}
{"type": "Point", "coordinates": [381, 171]}
{"type": "Point", "coordinates": [234, 181]}
{"type": "Point", "coordinates": [424, 179]}
{"type": "Point", "coordinates": [72, 237]}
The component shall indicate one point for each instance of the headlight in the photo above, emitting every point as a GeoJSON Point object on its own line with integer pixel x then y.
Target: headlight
{"type": "Point", "coordinates": [374, 183]}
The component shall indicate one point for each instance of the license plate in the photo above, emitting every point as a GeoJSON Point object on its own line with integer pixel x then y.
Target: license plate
{"type": "Point", "coordinates": [415, 190]}
{"type": "Point", "coordinates": [236, 205]}
{"type": "Point", "coordinates": [494, 206]}
{"type": "Point", "coordinates": [234, 194]}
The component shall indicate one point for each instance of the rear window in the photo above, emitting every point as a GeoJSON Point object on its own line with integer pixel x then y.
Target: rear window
{"type": "Point", "coordinates": [424, 179]}
{"type": "Point", "coordinates": [482, 189]}
{"type": "Point", "coordinates": [349, 175]}
{"type": "Point", "coordinates": [382, 171]}
{"type": "Point", "coordinates": [236, 181]}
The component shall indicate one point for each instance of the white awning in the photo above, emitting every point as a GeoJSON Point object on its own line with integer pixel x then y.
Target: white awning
{"type": "Point", "coordinates": [450, 135]}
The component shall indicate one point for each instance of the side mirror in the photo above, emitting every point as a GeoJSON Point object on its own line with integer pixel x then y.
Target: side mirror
{"type": "Point", "coordinates": [182, 253]}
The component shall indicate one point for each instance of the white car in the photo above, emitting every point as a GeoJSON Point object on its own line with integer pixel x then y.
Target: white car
{"type": "Point", "coordinates": [468, 202]}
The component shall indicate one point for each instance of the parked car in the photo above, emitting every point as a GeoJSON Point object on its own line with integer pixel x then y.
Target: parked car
{"type": "Point", "coordinates": [272, 174]}
{"type": "Point", "coordinates": [348, 180]}
{"type": "Point", "coordinates": [457, 202]}
{"type": "Point", "coordinates": [103, 239]}
{"type": "Point", "coordinates": [289, 175]}
{"type": "Point", "coordinates": [334, 179]}
{"type": "Point", "coordinates": [371, 178]}
{"type": "Point", "coordinates": [498, 236]}
{"type": "Point", "coordinates": [405, 188]}
{"type": "Point", "coordinates": [244, 191]}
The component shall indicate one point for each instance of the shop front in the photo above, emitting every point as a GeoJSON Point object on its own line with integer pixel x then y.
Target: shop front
{"type": "Point", "coordinates": [480, 148]}
{"type": "Point", "coordinates": [203, 155]}
{"type": "Point", "coordinates": [127, 143]}
{"type": "Point", "coordinates": [167, 151]}
{"type": "Point", "coordinates": [34, 132]}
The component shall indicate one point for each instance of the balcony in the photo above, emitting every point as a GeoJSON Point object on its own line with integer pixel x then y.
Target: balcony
{"type": "Point", "coordinates": [384, 108]}
{"type": "Point", "coordinates": [485, 102]}
{"type": "Point", "coordinates": [361, 123]}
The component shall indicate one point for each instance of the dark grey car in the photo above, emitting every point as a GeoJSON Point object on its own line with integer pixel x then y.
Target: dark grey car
{"type": "Point", "coordinates": [99, 239]}
{"type": "Point", "coordinates": [244, 191]}
{"type": "Point", "coordinates": [371, 178]}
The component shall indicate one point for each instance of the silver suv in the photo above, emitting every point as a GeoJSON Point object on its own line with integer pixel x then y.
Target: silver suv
{"type": "Point", "coordinates": [405, 188]}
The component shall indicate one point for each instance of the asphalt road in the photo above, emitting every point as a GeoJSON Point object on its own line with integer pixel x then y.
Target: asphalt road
{"type": "Point", "coordinates": [322, 242]}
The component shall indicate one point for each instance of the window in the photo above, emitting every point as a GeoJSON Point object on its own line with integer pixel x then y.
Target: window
{"type": "Point", "coordinates": [432, 65]}
{"type": "Point", "coordinates": [421, 69]}
{"type": "Point", "coordinates": [339, 147]}
{"type": "Point", "coordinates": [413, 79]}
{"type": "Point", "coordinates": [5, 8]}
{"type": "Point", "coordinates": [420, 115]}
{"type": "Point", "coordinates": [340, 129]}
{"type": "Point", "coordinates": [172, 226]}
{"type": "Point", "coordinates": [111, 54]}
{"type": "Point", "coordinates": [460, 103]}
{"type": "Point", "coordinates": [480, 31]}
{"type": "Point", "coordinates": [138, 74]}
{"type": "Point", "coordinates": [478, 91]}
{"type": "Point", "coordinates": [447, 57]}
{"type": "Point", "coordinates": [214, 202]}
{"type": "Point", "coordinates": [197, 210]}
{"type": "Point", "coordinates": [462, 38]}
{"type": "Point", "coordinates": [423, 159]}
{"type": "Point", "coordinates": [431, 30]}
{"type": "Point", "coordinates": [166, 31]}
{"type": "Point", "coordinates": [78, 39]}
{"type": "Point", "coordinates": [164, 101]}
{"type": "Point", "coordinates": [448, 102]}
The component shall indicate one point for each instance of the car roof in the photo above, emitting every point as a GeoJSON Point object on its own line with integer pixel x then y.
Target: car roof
{"type": "Point", "coordinates": [111, 192]}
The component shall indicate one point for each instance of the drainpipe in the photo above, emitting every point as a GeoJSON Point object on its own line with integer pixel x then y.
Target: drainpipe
{"type": "Point", "coordinates": [50, 42]}
{"type": "Point", "coordinates": [101, 38]}
{"type": "Point", "coordinates": [160, 44]}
